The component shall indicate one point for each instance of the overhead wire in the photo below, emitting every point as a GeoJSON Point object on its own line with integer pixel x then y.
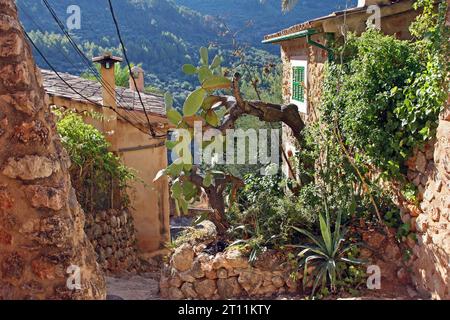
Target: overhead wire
{"type": "Point", "coordinates": [129, 68]}
{"type": "Point", "coordinates": [62, 49]}
{"type": "Point", "coordinates": [75, 90]}
{"type": "Point", "coordinates": [94, 72]}
{"type": "Point", "coordinates": [88, 62]}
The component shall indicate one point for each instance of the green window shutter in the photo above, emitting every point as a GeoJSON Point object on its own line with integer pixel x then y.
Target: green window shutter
{"type": "Point", "coordinates": [298, 90]}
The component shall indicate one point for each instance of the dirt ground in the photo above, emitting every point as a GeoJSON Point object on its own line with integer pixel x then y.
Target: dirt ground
{"type": "Point", "coordinates": [142, 287]}
{"type": "Point", "coordinates": [145, 287]}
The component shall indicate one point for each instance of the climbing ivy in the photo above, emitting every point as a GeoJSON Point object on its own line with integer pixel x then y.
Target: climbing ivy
{"type": "Point", "coordinates": [386, 95]}
{"type": "Point", "coordinates": [381, 100]}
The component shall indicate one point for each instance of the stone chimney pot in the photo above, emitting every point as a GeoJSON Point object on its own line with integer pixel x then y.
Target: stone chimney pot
{"type": "Point", "coordinates": [138, 74]}
{"type": "Point", "coordinates": [107, 60]}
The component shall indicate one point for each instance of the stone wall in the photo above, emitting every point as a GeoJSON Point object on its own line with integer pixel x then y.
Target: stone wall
{"type": "Point", "coordinates": [316, 62]}
{"type": "Point", "coordinates": [194, 274]}
{"type": "Point", "coordinates": [386, 253]}
{"type": "Point", "coordinates": [430, 171]}
{"type": "Point", "coordinates": [41, 221]}
{"type": "Point", "coordinates": [113, 236]}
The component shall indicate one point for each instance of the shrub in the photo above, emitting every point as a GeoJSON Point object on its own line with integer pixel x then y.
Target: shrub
{"type": "Point", "coordinates": [265, 213]}
{"type": "Point", "coordinates": [363, 98]}
{"type": "Point", "coordinates": [98, 176]}
{"type": "Point", "coordinates": [385, 95]}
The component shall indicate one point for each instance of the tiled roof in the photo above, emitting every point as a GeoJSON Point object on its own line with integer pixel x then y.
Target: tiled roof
{"type": "Point", "coordinates": [310, 24]}
{"type": "Point", "coordinates": [92, 90]}
{"type": "Point", "coordinates": [315, 22]}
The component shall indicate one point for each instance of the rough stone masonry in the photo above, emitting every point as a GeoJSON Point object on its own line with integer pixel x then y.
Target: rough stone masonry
{"type": "Point", "coordinates": [41, 222]}
{"type": "Point", "coordinates": [112, 234]}
{"type": "Point", "coordinates": [194, 274]}
{"type": "Point", "coordinates": [429, 170]}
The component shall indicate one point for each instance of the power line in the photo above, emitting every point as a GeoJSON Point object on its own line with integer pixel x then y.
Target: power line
{"type": "Point", "coordinates": [72, 42]}
{"type": "Point", "coordinates": [39, 27]}
{"type": "Point", "coordinates": [87, 62]}
{"type": "Point", "coordinates": [62, 51]}
{"type": "Point", "coordinates": [75, 90]}
{"type": "Point", "coordinates": [128, 64]}
{"type": "Point", "coordinates": [94, 71]}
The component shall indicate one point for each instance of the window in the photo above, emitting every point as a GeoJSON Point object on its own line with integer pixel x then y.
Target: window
{"type": "Point", "coordinates": [298, 90]}
{"type": "Point", "coordinates": [299, 84]}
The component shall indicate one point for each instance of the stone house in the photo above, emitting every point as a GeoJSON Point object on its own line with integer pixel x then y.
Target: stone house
{"type": "Point", "coordinates": [128, 132]}
{"type": "Point", "coordinates": [304, 52]}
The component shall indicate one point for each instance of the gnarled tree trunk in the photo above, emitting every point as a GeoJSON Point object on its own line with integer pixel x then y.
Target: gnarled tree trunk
{"type": "Point", "coordinates": [43, 247]}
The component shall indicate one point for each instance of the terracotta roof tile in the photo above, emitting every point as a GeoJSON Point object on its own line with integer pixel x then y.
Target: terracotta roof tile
{"type": "Point", "coordinates": [92, 90]}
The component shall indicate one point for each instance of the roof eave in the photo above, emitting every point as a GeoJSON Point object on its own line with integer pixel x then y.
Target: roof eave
{"type": "Point", "coordinates": [296, 35]}
{"type": "Point", "coordinates": [402, 6]}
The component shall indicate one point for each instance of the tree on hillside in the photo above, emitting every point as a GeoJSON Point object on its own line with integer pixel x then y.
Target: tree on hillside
{"type": "Point", "coordinates": [44, 252]}
{"type": "Point", "coordinates": [287, 5]}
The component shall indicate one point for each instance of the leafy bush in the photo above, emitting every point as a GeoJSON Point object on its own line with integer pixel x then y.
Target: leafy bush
{"type": "Point", "coordinates": [255, 184]}
{"type": "Point", "coordinates": [98, 176]}
{"type": "Point", "coordinates": [264, 214]}
{"type": "Point", "coordinates": [245, 123]}
{"type": "Point", "coordinates": [386, 95]}
{"type": "Point", "coordinates": [362, 97]}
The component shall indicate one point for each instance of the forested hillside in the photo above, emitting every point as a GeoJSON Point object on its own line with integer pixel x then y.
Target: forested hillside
{"type": "Point", "coordinates": [157, 33]}
{"type": "Point", "coordinates": [162, 35]}
{"type": "Point", "coordinates": [266, 16]}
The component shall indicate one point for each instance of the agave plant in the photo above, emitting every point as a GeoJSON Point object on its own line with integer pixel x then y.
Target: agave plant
{"type": "Point", "coordinates": [325, 253]}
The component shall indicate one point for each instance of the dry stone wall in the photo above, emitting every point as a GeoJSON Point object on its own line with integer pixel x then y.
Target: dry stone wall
{"type": "Point", "coordinates": [112, 234]}
{"type": "Point", "coordinates": [430, 172]}
{"type": "Point", "coordinates": [195, 274]}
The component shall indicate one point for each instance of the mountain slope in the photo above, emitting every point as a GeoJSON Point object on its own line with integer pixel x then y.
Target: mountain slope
{"type": "Point", "coordinates": [162, 35]}
{"type": "Point", "coordinates": [157, 33]}
{"type": "Point", "coordinates": [266, 15]}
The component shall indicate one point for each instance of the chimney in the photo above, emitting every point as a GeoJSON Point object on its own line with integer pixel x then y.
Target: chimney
{"type": "Point", "coordinates": [138, 74]}
{"type": "Point", "coordinates": [366, 3]}
{"type": "Point", "coordinates": [107, 62]}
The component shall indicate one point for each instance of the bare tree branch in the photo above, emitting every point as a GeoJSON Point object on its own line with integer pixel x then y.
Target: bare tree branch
{"type": "Point", "coordinates": [268, 112]}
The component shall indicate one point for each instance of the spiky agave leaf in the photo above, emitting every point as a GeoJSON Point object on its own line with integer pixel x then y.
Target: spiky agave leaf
{"type": "Point", "coordinates": [315, 250]}
{"type": "Point", "coordinates": [325, 252]}
{"type": "Point", "coordinates": [325, 230]}
{"type": "Point", "coordinates": [314, 239]}
{"type": "Point", "coordinates": [305, 268]}
{"type": "Point", "coordinates": [320, 277]}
